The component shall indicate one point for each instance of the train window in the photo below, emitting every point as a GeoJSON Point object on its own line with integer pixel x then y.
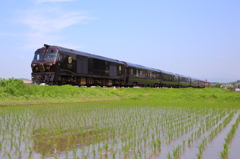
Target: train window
{"type": "Point", "coordinates": [60, 57]}
{"type": "Point", "coordinates": [91, 61]}
{"type": "Point", "coordinates": [140, 72]}
{"type": "Point", "coordinates": [137, 72]}
{"type": "Point", "coordinates": [113, 70]}
{"type": "Point", "coordinates": [167, 77]}
{"type": "Point", "coordinates": [131, 71]}
{"type": "Point", "coordinates": [38, 56]}
{"type": "Point", "coordinates": [120, 68]}
{"type": "Point", "coordinates": [163, 77]}
{"type": "Point", "coordinates": [50, 56]}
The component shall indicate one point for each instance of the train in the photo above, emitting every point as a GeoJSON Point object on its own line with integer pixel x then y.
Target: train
{"type": "Point", "coordinates": [56, 65]}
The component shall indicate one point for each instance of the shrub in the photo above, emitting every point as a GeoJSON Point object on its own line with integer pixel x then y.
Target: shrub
{"type": "Point", "coordinates": [230, 88]}
{"type": "Point", "coordinates": [13, 86]}
{"type": "Point", "coordinates": [11, 82]}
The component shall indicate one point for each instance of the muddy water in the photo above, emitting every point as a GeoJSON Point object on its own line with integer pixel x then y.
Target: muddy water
{"type": "Point", "coordinates": [55, 134]}
{"type": "Point", "coordinates": [191, 150]}
{"type": "Point", "coordinates": [234, 150]}
{"type": "Point", "coordinates": [214, 148]}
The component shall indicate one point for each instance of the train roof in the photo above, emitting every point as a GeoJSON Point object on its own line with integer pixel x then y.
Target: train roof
{"type": "Point", "coordinates": [84, 54]}
{"type": "Point", "coordinates": [170, 73]}
{"type": "Point", "coordinates": [183, 76]}
{"type": "Point", "coordinates": [148, 68]}
{"type": "Point", "coordinates": [142, 67]}
{"type": "Point", "coordinates": [197, 79]}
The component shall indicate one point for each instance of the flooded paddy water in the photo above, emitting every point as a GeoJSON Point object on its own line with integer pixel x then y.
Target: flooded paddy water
{"type": "Point", "coordinates": [120, 130]}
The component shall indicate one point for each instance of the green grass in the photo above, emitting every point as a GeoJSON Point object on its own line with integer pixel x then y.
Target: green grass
{"type": "Point", "coordinates": [14, 91]}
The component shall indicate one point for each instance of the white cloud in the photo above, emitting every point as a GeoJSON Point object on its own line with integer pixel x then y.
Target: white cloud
{"type": "Point", "coordinates": [37, 39]}
{"type": "Point", "coordinates": [45, 21]}
{"type": "Point", "coordinates": [41, 1]}
{"type": "Point", "coordinates": [51, 20]}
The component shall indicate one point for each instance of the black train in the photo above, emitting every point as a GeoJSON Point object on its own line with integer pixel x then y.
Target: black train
{"type": "Point", "coordinates": [57, 65]}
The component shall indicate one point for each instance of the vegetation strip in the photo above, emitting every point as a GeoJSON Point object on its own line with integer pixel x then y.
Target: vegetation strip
{"type": "Point", "coordinates": [15, 92]}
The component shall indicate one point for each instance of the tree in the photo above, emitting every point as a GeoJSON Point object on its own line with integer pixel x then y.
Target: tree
{"type": "Point", "coordinates": [217, 85]}
{"type": "Point", "coordinates": [233, 83]}
{"type": "Point", "coordinates": [230, 88]}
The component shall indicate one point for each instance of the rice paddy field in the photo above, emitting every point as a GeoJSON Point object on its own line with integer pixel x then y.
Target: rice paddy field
{"type": "Point", "coordinates": [136, 123]}
{"type": "Point", "coordinates": [119, 129]}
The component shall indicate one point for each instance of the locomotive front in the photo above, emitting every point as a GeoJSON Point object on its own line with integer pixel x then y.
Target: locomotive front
{"type": "Point", "coordinates": [44, 65]}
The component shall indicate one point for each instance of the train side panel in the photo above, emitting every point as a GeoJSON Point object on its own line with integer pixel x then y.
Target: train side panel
{"type": "Point", "coordinates": [58, 65]}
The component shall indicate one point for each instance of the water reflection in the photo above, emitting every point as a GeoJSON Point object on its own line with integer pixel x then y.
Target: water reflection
{"type": "Point", "coordinates": [51, 142]}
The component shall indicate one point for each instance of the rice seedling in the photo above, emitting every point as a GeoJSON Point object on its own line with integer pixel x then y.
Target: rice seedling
{"type": "Point", "coordinates": [131, 129]}
{"type": "Point", "coordinates": [224, 153]}
{"type": "Point", "coordinates": [169, 156]}
{"type": "Point", "coordinates": [176, 151]}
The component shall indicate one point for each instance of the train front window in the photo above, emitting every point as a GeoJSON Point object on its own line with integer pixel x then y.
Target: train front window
{"type": "Point", "coordinates": [38, 56]}
{"type": "Point", "coordinates": [50, 56]}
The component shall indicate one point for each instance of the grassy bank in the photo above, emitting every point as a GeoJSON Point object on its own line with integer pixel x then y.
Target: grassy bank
{"type": "Point", "coordinates": [14, 91]}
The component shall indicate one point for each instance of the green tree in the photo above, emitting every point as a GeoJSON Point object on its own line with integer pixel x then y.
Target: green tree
{"type": "Point", "coordinates": [217, 85]}
{"type": "Point", "coordinates": [233, 83]}
{"type": "Point", "coordinates": [230, 88]}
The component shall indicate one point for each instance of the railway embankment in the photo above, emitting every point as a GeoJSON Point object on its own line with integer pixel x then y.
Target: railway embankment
{"type": "Point", "coordinates": [15, 92]}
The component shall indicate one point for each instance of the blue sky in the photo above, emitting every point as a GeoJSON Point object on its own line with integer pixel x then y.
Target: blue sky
{"type": "Point", "coordinates": [195, 38]}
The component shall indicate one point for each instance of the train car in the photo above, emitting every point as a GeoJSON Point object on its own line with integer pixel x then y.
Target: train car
{"type": "Point", "coordinates": [138, 75]}
{"type": "Point", "coordinates": [168, 79]}
{"type": "Point", "coordinates": [201, 84]}
{"type": "Point", "coordinates": [207, 84]}
{"type": "Point", "coordinates": [58, 65]}
{"type": "Point", "coordinates": [194, 82]}
{"type": "Point", "coordinates": [184, 81]}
